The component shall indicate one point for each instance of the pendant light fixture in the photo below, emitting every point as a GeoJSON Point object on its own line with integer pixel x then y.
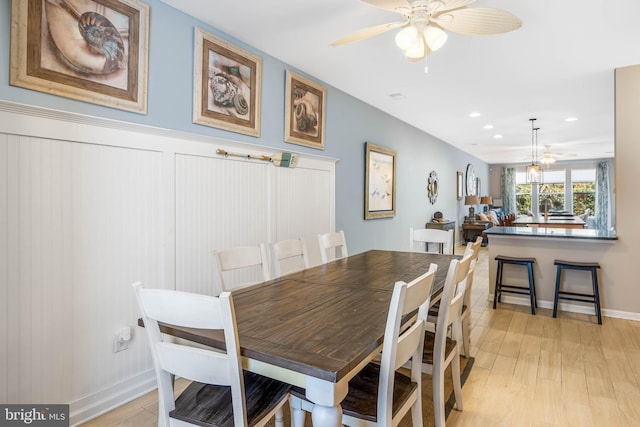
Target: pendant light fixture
{"type": "Point", "coordinates": [534, 170]}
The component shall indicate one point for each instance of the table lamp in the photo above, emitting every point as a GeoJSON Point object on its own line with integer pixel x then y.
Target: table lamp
{"type": "Point", "coordinates": [471, 201]}
{"type": "Point", "coordinates": [486, 201]}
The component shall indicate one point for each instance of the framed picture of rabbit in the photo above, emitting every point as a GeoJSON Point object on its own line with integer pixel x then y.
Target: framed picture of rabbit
{"type": "Point", "coordinates": [305, 107]}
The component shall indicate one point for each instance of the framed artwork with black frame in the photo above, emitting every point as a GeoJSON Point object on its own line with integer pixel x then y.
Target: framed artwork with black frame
{"type": "Point", "coordinates": [380, 182]}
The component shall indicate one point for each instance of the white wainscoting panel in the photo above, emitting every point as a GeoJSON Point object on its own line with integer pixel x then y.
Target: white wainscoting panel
{"type": "Point", "coordinates": [302, 209]}
{"type": "Point", "coordinates": [82, 225]}
{"type": "Point", "coordinates": [220, 203]}
{"type": "Point", "coordinates": [88, 206]}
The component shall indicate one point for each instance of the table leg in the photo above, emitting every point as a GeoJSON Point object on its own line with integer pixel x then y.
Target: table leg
{"type": "Point", "coordinates": [327, 415]}
{"type": "Point", "coordinates": [326, 397]}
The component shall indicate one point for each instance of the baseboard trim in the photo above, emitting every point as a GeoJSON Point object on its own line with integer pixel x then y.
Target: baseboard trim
{"type": "Point", "coordinates": [573, 308]}
{"type": "Point", "coordinates": [96, 404]}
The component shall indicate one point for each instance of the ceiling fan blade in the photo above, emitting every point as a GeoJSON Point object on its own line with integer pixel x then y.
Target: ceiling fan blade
{"type": "Point", "coordinates": [478, 21]}
{"type": "Point", "coordinates": [368, 32]}
{"type": "Point", "coordinates": [392, 5]}
{"type": "Point", "coordinates": [453, 4]}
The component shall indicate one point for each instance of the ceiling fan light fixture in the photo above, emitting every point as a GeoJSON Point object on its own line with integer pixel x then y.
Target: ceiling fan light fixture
{"type": "Point", "coordinates": [548, 160]}
{"type": "Point", "coordinates": [435, 37]}
{"type": "Point", "coordinates": [406, 37]}
{"type": "Point", "coordinates": [417, 50]}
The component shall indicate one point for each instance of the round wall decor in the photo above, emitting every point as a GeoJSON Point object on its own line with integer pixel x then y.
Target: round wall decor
{"type": "Point", "coordinates": [471, 180]}
{"type": "Point", "coordinates": [433, 187]}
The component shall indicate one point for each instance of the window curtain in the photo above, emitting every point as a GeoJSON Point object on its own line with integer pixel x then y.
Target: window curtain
{"type": "Point", "coordinates": [602, 196]}
{"type": "Point", "coordinates": [508, 190]}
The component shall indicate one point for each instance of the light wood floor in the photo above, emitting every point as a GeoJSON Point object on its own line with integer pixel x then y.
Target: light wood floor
{"type": "Point", "coordinates": [528, 371]}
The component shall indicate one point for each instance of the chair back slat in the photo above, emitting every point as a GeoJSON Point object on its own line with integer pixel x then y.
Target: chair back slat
{"type": "Point", "coordinates": [194, 364]}
{"type": "Point", "coordinates": [431, 235]}
{"type": "Point", "coordinates": [291, 253]}
{"type": "Point", "coordinates": [241, 257]}
{"type": "Point", "coordinates": [333, 245]}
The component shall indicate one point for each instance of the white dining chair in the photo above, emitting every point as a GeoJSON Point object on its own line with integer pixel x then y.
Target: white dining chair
{"type": "Point", "coordinates": [241, 257]}
{"type": "Point", "coordinates": [288, 256]}
{"type": "Point", "coordinates": [379, 395]}
{"type": "Point", "coordinates": [473, 250]}
{"type": "Point", "coordinates": [441, 351]}
{"type": "Point", "coordinates": [424, 236]}
{"type": "Point", "coordinates": [330, 244]}
{"type": "Point", "coordinates": [466, 285]}
{"type": "Point", "coordinates": [221, 393]}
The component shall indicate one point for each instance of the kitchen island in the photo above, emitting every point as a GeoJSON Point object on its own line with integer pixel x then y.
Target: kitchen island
{"type": "Point", "coordinates": [546, 245]}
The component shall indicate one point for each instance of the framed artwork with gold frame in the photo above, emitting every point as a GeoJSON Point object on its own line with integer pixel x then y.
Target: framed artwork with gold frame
{"type": "Point", "coordinates": [90, 50]}
{"type": "Point", "coordinates": [305, 111]}
{"type": "Point", "coordinates": [380, 182]}
{"type": "Point", "coordinates": [227, 85]}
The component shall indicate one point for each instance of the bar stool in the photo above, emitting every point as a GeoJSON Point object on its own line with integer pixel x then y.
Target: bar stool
{"type": "Point", "coordinates": [578, 296]}
{"type": "Point", "coordinates": [500, 287]}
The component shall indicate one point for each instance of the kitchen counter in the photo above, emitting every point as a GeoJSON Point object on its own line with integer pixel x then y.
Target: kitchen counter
{"type": "Point", "coordinates": [555, 233]}
{"type": "Point", "coordinates": [546, 245]}
{"type": "Point", "coordinates": [560, 221]}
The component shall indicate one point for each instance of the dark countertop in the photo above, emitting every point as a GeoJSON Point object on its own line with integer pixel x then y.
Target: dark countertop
{"type": "Point", "coordinates": [569, 220]}
{"type": "Point", "coordinates": [565, 233]}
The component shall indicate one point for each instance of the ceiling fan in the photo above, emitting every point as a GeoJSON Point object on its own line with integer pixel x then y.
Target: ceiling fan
{"type": "Point", "coordinates": [549, 158]}
{"type": "Point", "coordinates": [424, 22]}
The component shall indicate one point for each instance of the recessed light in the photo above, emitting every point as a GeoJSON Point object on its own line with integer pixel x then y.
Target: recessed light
{"type": "Point", "coordinates": [474, 114]}
{"type": "Point", "coordinates": [497, 136]}
{"type": "Point", "coordinates": [570, 119]}
{"type": "Point", "coordinates": [488, 127]}
{"type": "Point", "coordinates": [397, 95]}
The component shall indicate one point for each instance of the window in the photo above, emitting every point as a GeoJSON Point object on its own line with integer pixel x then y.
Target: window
{"type": "Point", "coordinates": [523, 193]}
{"type": "Point", "coordinates": [583, 189]}
{"type": "Point", "coordinates": [551, 193]}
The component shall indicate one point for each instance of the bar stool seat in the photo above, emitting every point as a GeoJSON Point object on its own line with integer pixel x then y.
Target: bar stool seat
{"type": "Point", "coordinates": [578, 296]}
{"type": "Point", "coordinates": [501, 287]}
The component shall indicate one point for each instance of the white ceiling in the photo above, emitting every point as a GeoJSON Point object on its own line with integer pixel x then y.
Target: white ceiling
{"type": "Point", "coordinates": [560, 64]}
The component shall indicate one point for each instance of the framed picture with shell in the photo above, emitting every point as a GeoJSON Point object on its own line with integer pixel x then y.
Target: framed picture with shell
{"type": "Point", "coordinates": [91, 50]}
{"type": "Point", "coordinates": [227, 85]}
{"type": "Point", "coordinates": [305, 111]}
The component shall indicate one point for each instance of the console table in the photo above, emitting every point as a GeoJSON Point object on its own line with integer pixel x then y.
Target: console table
{"type": "Point", "coordinates": [471, 230]}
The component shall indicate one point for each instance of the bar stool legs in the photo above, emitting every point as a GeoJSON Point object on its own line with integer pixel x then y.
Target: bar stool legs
{"type": "Point", "coordinates": [501, 287]}
{"type": "Point", "coordinates": [578, 296]}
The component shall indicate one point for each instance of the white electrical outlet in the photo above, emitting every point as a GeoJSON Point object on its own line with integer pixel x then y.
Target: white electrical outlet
{"type": "Point", "coordinates": [121, 340]}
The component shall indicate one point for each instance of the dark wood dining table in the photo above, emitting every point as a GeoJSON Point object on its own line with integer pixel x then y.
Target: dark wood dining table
{"type": "Point", "coordinates": [318, 327]}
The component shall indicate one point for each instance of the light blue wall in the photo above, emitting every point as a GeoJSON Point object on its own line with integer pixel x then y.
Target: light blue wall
{"type": "Point", "coordinates": [350, 123]}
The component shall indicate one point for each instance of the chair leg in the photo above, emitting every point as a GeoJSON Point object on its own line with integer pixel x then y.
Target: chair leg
{"type": "Point", "coordinates": [438, 395]}
{"type": "Point", "coordinates": [532, 291]}
{"type": "Point", "coordinates": [297, 413]}
{"type": "Point", "coordinates": [555, 297]}
{"type": "Point", "coordinates": [416, 411]}
{"type": "Point", "coordinates": [457, 386]}
{"type": "Point", "coordinates": [596, 294]}
{"type": "Point", "coordinates": [466, 334]}
{"type": "Point", "coordinates": [280, 417]}
{"type": "Point", "coordinates": [498, 281]}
